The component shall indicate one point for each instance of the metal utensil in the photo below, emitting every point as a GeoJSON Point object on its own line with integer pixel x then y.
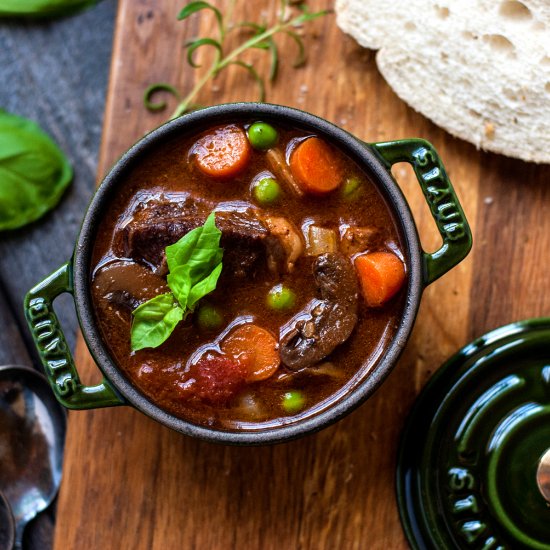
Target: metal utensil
{"type": "Point", "coordinates": [543, 476]}
{"type": "Point", "coordinates": [32, 433]}
{"type": "Point", "coordinates": [7, 526]}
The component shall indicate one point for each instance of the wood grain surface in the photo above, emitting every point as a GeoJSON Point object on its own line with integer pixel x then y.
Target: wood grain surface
{"type": "Point", "coordinates": [130, 483]}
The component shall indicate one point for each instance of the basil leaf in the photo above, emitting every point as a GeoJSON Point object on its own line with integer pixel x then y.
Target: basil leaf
{"type": "Point", "coordinates": [178, 254]}
{"type": "Point", "coordinates": [179, 282]}
{"type": "Point", "coordinates": [42, 8]}
{"type": "Point", "coordinates": [154, 321]}
{"type": "Point", "coordinates": [199, 249]}
{"type": "Point", "coordinates": [34, 172]}
{"type": "Point", "coordinates": [204, 287]}
{"type": "Point", "coordinates": [195, 264]}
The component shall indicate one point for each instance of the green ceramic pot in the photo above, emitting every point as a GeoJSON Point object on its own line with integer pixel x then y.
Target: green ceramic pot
{"type": "Point", "coordinates": [474, 464]}
{"type": "Point", "coordinates": [376, 159]}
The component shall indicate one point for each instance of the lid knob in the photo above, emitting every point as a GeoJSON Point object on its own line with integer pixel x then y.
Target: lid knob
{"type": "Point", "coordinates": [543, 475]}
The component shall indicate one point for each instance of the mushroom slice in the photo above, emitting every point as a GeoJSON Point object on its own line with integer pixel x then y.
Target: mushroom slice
{"type": "Point", "coordinates": [126, 284]}
{"type": "Point", "coordinates": [325, 322]}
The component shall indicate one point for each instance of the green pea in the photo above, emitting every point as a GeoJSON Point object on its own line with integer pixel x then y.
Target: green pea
{"type": "Point", "coordinates": [293, 401]}
{"type": "Point", "coordinates": [352, 188]}
{"type": "Point", "coordinates": [262, 136]}
{"type": "Point", "coordinates": [209, 317]}
{"type": "Point", "coordinates": [266, 190]}
{"type": "Point", "coordinates": [281, 298]}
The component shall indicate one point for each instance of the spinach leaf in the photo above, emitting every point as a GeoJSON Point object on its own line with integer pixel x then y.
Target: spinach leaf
{"type": "Point", "coordinates": [42, 8]}
{"type": "Point", "coordinates": [154, 321]}
{"type": "Point", "coordinates": [34, 172]}
{"type": "Point", "coordinates": [195, 265]}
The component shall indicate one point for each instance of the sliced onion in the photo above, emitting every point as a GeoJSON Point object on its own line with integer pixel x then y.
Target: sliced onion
{"type": "Point", "coordinates": [328, 369]}
{"type": "Point", "coordinates": [280, 168]}
{"type": "Point", "coordinates": [250, 407]}
{"type": "Point", "coordinates": [321, 240]}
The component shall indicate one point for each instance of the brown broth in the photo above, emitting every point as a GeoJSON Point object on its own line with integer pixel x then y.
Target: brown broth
{"type": "Point", "coordinates": [155, 372]}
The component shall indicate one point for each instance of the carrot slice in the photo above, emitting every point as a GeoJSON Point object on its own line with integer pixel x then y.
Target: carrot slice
{"type": "Point", "coordinates": [316, 167]}
{"type": "Point", "coordinates": [222, 153]}
{"type": "Point", "coordinates": [381, 275]}
{"type": "Point", "coordinates": [255, 347]}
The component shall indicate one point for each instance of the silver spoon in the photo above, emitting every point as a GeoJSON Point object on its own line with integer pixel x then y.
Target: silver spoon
{"type": "Point", "coordinates": [7, 527]}
{"type": "Point", "coordinates": [32, 433]}
{"type": "Point", "coordinates": [543, 476]}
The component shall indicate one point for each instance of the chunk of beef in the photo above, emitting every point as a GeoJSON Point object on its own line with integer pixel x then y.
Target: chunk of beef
{"type": "Point", "coordinates": [326, 322]}
{"type": "Point", "coordinates": [242, 236]}
{"type": "Point", "coordinates": [248, 239]}
{"type": "Point", "coordinates": [155, 220]}
{"type": "Point", "coordinates": [358, 239]}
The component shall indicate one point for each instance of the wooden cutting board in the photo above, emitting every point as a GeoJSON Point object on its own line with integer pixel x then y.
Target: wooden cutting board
{"type": "Point", "coordinates": [129, 483]}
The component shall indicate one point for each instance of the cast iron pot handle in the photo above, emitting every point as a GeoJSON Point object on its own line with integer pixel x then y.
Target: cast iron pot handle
{"type": "Point", "coordinates": [53, 348]}
{"type": "Point", "coordinates": [441, 198]}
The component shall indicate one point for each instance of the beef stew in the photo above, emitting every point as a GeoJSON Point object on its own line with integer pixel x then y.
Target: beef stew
{"type": "Point", "coordinates": [309, 290]}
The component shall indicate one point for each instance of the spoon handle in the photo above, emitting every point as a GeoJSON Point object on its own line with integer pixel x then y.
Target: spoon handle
{"type": "Point", "coordinates": [19, 531]}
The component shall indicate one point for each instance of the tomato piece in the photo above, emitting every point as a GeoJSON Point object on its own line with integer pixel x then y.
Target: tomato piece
{"type": "Point", "coordinates": [214, 379]}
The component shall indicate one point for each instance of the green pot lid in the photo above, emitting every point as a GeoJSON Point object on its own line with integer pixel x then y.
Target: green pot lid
{"type": "Point", "coordinates": [474, 463]}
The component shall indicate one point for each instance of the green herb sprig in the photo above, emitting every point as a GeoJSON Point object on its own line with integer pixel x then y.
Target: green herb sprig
{"type": "Point", "coordinates": [195, 265]}
{"type": "Point", "coordinates": [34, 172]}
{"type": "Point", "coordinates": [262, 38]}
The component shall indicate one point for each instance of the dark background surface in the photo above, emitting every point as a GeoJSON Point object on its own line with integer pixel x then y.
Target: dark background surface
{"type": "Point", "coordinates": [55, 73]}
